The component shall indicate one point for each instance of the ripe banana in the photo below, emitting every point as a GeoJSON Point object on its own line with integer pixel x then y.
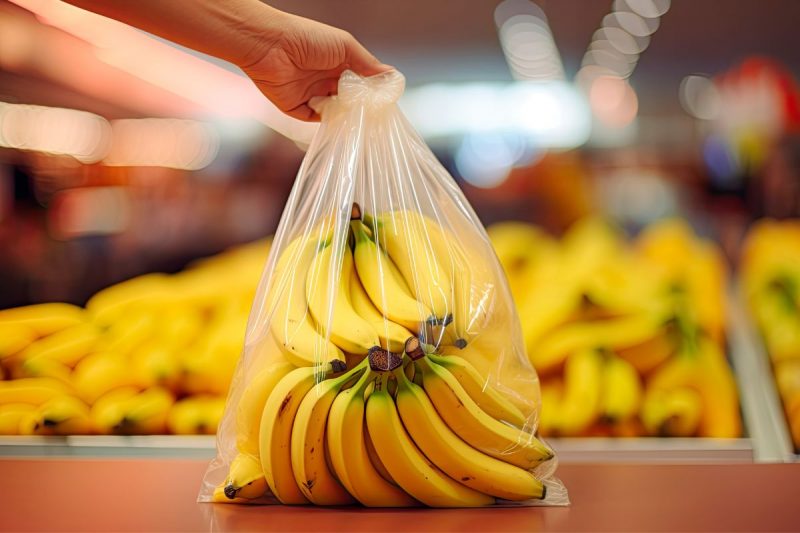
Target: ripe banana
{"type": "Point", "coordinates": [43, 319]}
{"type": "Point", "coordinates": [61, 415]}
{"type": "Point", "coordinates": [456, 458]}
{"type": "Point", "coordinates": [155, 363]}
{"type": "Point", "coordinates": [14, 338]}
{"type": "Point", "coordinates": [34, 391]}
{"type": "Point", "coordinates": [245, 478]}
{"type": "Point", "coordinates": [152, 291]}
{"type": "Point", "coordinates": [308, 446]}
{"type": "Point", "coordinates": [406, 238]}
{"type": "Point", "coordinates": [290, 321]}
{"type": "Point", "coordinates": [352, 455]}
{"type": "Point", "coordinates": [197, 415]}
{"type": "Point", "coordinates": [126, 411]}
{"type": "Point", "coordinates": [480, 390]}
{"type": "Point", "coordinates": [251, 405]}
{"type": "Point", "coordinates": [11, 414]}
{"type": "Point", "coordinates": [391, 334]}
{"type": "Point", "coordinates": [42, 367]}
{"type": "Point", "coordinates": [672, 413]}
{"type": "Point", "coordinates": [384, 283]}
{"type": "Point", "coordinates": [475, 426]}
{"type": "Point", "coordinates": [620, 391]}
{"type": "Point", "coordinates": [328, 295]}
{"type": "Point", "coordinates": [552, 391]}
{"type": "Point", "coordinates": [275, 433]}
{"type": "Point", "coordinates": [406, 463]}
{"type": "Point", "coordinates": [101, 372]}
{"type": "Point", "coordinates": [67, 346]}
{"type": "Point", "coordinates": [581, 401]}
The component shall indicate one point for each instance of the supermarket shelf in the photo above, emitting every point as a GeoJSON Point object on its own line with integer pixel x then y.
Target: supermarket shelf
{"type": "Point", "coordinates": [652, 450]}
{"type": "Point", "coordinates": [199, 447]}
{"type": "Point", "coordinates": [761, 407]}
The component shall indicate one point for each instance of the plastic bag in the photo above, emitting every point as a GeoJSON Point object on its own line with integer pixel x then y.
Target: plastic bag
{"type": "Point", "coordinates": [384, 362]}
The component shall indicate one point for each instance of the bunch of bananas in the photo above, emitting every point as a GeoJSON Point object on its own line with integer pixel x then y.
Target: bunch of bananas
{"type": "Point", "coordinates": [628, 338]}
{"type": "Point", "coordinates": [151, 355]}
{"type": "Point", "coordinates": [770, 279]}
{"type": "Point", "coordinates": [373, 382]}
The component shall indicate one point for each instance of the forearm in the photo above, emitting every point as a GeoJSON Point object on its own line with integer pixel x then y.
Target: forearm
{"type": "Point", "coordinates": [234, 30]}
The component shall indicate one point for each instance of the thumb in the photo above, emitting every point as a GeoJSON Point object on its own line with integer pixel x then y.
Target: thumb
{"type": "Point", "coordinates": [364, 63]}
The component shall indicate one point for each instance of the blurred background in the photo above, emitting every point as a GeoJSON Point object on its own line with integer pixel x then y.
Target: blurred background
{"type": "Point", "coordinates": [121, 153]}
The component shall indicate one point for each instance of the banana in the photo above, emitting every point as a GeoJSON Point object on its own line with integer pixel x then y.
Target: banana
{"type": "Point", "coordinates": [153, 291]}
{"type": "Point", "coordinates": [651, 353]}
{"type": "Point", "coordinates": [552, 391]}
{"type": "Point", "coordinates": [43, 367]}
{"type": "Point", "coordinates": [12, 414]}
{"type": "Point", "coordinates": [413, 471]}
{"type": "Point", "coordinates": [392, 335]}
{"type": "Point", "coordinates": [101, 372]}
{"type": "Point", "coordinates": [615, 333]}
{"type": "Point", "coordinates": [251, 405]}
{"type": "Point", "coordinates": [480, 390]}
{"type": "Point", "coordinates": [67, 346]}
{"type": "Point", "coordinates": [245, 478]}
{"type": "Point", "coordinates": [456, 458]}
{"type": "Point", "coordinates": [581, 401]}
{"type": "Point", "coordinates": [291, 321]}
{"type": "Point", "coordinates": [620, 391]}
{"type": "Point", "coordinates": [155, 363]}
{"type": "Point", "coordinates": [275, 433]}
{"type": "Point", "coordinates": [196, 415]}
{"type": "Point", "coordinates": [353, 457]}
{"type": "Point", "coordinates": [308, 446]}
{"type": "Point", "coordinates": [384, 283]}
{"type": "Point", "coordinates": [14, 338]}
{"type": "Point", "coordinates": [129, 331]}
{"type": "Point", "coordinates": [330, 304]}
{"type": "Point", "coordinates": [406, 238]}
{"type": "Point", "coordinates": [129, 412]}
{"type": "Point", "coordinates": [34, 391]}
{"type": "Point", "coordinates": [672, 413]}
{"type": "Point", "coordinates": [61, 415]}
{"type": "Point", "coordinates": [472, 424]}
{"type": "Point", "coordinates": [43, 319]}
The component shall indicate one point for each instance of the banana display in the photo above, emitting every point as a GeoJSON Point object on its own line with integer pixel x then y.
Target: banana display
{"type": "Point", "coordinates": [378, 378]}
{"type": "Point", "coordinates": [770, 280]}
{"type": "Point", "coordinates": [627, 337]}
{"type": "Point", "coordinates": [151, 355]}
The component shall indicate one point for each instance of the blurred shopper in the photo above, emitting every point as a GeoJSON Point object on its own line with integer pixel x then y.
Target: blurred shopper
{"type": "Point", "coordinates": [291, 59]}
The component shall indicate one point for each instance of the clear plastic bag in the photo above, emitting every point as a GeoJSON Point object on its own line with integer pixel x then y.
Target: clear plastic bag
{"type": "Point", "coordinates": [384, 362]}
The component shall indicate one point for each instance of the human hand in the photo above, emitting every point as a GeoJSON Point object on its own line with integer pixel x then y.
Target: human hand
{"type": "Point", "coordinates": [304, 59]}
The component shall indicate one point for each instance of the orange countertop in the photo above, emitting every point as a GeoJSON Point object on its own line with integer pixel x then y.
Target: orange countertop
{"type": "Point", "coordinates": [159, 495]}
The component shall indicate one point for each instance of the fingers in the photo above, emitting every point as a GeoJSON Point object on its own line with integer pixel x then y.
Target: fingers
{"type": "Point", "coordinates": [362, 62]}
{"type": "Point", "coordinates": [304, 113]}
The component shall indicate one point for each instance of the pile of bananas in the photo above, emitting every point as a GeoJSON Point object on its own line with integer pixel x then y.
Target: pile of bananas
{"type": "Point", "coordinates": [151, 355]}
{"type": "Point", "coordinates": [628, 338]}
{"type": "Point", "coordinates": [372, 382]}
{"type": "Point", "coordinates": [770, 279]}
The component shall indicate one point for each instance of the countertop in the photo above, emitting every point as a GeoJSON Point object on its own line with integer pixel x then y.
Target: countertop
{"type": "Point", "coordinates": [159, 495]}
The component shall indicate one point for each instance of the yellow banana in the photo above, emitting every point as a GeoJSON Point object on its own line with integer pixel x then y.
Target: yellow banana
{"type": "Point", "coordinates": [128, 412]}
{"type": "Point", "coordinates": [43, 319]}
{"type": "Point", "coordinates": [14, 338]}
{"type": "Point", "coordinates": [196, 415]}
{"type": "Point", "coordinates": [35, 391]}
{"type": "Point", "coordinates": [455, 457]}
{"type": "Point", "coordinates": [291, 321]}
{"type": "Point", "coordinates": [245, 478]}
{"type": "Point", "coordinates": [109, 409]}
{"type": "Point", "coordinates": [480, 390]}
{"type": "Point", "coordinates": [408, 466]}
{"type": "Point", "coordinates": [67, 346]}
{"type": "Point", "coordinates": [384, 283]}
{"type": "Point", "coordinates": [581, 401]}
{"type": "Point", "coordinates": [620, 390]}
{"type": "Point", "coordinates": [43, 367]}
{"type": "Point", "coordinates": [155, 363]}
{"type": "Point", "coordinates": [308, 446]}
{"type": "Point", "coordinates": [475, 426]}
{"type": "Point", "coordinates": [552, 391]}
{"type": "Point", "coordinates": [405, 236]}
{"type": "Point", "coordinates": [129, 331]}
{"type": "Point", "coordinates": [356, 466]}
{"type": "Point", "coordinates": [251, 405]}
{"type": "Point", "coordinates": [12, 414]}
{"type": "Point", "coordinates": [672, 413]}
{"type": "Point", "coordinates": [61, 415]}
{"type": "Point", "coordinates": [101, 372]}
{"type": "Point", "coordinates": [330, 304]}
{"type": "Point", "coordinates": [391, 334]}
{"type": "Point", "coordinates": [275, 434]}
{"type": "Point", "coordinates": [152, 291]}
